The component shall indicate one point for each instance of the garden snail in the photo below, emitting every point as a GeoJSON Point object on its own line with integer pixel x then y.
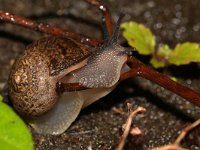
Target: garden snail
{"type": "Point", "coordinates": [33, 79]}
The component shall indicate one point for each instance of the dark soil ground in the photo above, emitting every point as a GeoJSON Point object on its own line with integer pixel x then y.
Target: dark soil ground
{"type": "Point", "coordinates": [98, 127]}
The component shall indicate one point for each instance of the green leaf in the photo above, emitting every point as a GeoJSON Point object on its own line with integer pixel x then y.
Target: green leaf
{"type": "Point", "coordinates": [140, 37]}
{"type": "Point", "coordinates": [14, 134]}
{"type": "Point", "coordinates": [174, 79]}
{"type": "Point", "coordinates": [1, 98]}
{"type": "Point", "coordinates": [185, 53]}
{"type": "Point", "coordinates": [156, 64]}
{"type": "Point", "coordinates": [163, 53]}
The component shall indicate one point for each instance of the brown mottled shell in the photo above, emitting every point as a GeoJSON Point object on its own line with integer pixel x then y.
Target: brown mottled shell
{"type": "Point", "coordinates": [33, 78]}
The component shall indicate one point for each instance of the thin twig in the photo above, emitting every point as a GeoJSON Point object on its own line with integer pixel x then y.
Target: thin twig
{"type": "Point", "coordinates": [186, 130]}
{"type": "Point", "coordinates": [176, 144]}
{"type": "Point", "coordinates": [128, 126]}
{"type": "Point", "coordinates": [120, 111]}
{"type": "Point", "coordinates": [169, 147]}
{"type": "Point", "coordinates": [56, 31]}
{"type": "Point", "coordinates": [105, 11]}
{"type": "Point", "coordinates": [139, 69]}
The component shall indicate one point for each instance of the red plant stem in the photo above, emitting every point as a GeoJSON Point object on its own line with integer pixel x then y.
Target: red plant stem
{"type": "Point", "coordinates": [30, 24]}
{"type": "Point", "coordinates": [69, 87]}
{"type": "Point", "coordinates": [105, 11]}
{"type": "Point", "coordinates": [139, 69]}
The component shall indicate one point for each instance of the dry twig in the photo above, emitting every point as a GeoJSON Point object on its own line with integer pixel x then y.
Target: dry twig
{"type": "Point", "coordinates": [176, 144]}
{"type": "Point", "coordinates": [120, 111]}
{"type": "Point", "coordinates": [127, 130]}
{"type": "Point", "coordinates": [128, 125]}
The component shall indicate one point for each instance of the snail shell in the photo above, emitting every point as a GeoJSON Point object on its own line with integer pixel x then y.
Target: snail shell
{"type": "Point", "coordinates": [33, 78]}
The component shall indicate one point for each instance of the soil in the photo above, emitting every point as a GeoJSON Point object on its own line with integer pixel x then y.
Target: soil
{"type": "Point", "coordinates": [98, 126]}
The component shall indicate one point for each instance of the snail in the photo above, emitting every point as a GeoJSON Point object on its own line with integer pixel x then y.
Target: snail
{"type": "Point", "coordinates": [34, 77]}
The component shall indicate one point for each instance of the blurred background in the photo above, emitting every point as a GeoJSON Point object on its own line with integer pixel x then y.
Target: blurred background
{"type": "Point", "coordinates": [98, 126]}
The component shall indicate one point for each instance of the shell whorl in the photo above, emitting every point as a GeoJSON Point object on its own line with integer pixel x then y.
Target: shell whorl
{"type": "Point", "coordinates": [29, 80]}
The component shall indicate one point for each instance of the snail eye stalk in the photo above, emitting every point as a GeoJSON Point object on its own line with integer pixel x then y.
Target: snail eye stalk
{"type": "Point", "coordinates": [116, 32]}
{"type": "Point", "coordinates": [114, 38]}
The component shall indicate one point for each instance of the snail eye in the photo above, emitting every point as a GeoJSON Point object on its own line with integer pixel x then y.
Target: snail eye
{"type": "Point", "coordinates": [130, 51]}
